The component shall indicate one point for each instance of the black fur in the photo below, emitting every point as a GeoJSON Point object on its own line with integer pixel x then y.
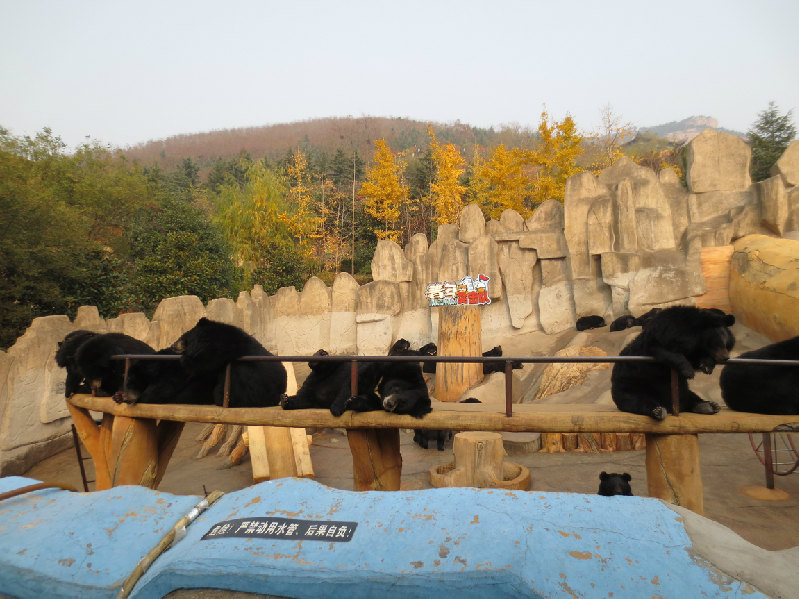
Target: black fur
{"type": "Point", "coordinates": [622, 322]}
{"type": "Point", "coordinates": [328, 386]}
{"type": "Point", "coordinates": [403, 390]}
{"type": "Point", "coordinates": [422, 437]}
{"type": "Point", "coordinates": [590, 322]}
{"type": "Point", "coordinates": [681, 337]}
{"type": "Point", "coordinates": [65, 358]}
{"type": "Point", "coordinates": [764, 388]}
{"type": "Point", "coordinates": [210, 346]}
{"type": "Point", "coordinates": [614, 484]}
{"type": "Point", "coordinates": [489, 367]}
{"type": "Point", "coordinates": [165, 381]}
{"type": "Point", "coordinates": [93, 360]}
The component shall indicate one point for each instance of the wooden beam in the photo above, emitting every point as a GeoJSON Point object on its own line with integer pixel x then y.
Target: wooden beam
{"type": "Point", "coordinates": [557, 418]}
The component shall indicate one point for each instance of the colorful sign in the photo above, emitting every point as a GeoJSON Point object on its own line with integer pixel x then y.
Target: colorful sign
{"type": "Point", "coordinates": [466, 292]}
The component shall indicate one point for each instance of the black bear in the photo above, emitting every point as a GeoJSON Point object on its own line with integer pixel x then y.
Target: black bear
{"type": "Point", "coordinates": [328, 386]}
{"type": "Point", "coordinates": [422, 437]}
{"type": "Point", "coordinates": [94, 363]}
{"type": "Point", "coordinates": [590, 322]}
{"type": "Point", "coordinates": [402, 388]}
{"type": "Point", "coordinates": [402, 347]}
{"type": "Point", "coordinates": [210, 346]}
{"type": "Point", "coordinates": [642, 320]}
{"type": "Point", "coordinates": [764, 388]}
{"type": "Point", "coordinates": [684, 338]}
{"type": "Point", "coordinates": [622, 322]}
{"type": "Point", "coordinates": [65, 358]}
{"type": "Point", "coordinates": [489, 367]}
{"type": "Point", "coordinates": [614, 484]}
{"type": "Point", "coordinates": [165, 381]}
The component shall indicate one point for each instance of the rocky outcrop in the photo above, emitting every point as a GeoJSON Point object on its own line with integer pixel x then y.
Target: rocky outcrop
{"type": "Point", "coordinates": [788, 165]}
{"type": "Point", "coordinates": [717, 161]}
{"type": "Point", "coordinates": [764, 285]}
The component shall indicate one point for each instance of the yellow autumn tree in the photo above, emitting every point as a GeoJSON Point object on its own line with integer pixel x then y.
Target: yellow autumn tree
{"type": "Point", "coordinates": [501, 183]}
{"type": "Point", "coordinates": [304, 223]}
{"type": "Point", "coordinates": [555, 157]}
{"type": "Point", "coordinates": [446, 192]}
{"type": "Point", "coordinates": [384, 192]}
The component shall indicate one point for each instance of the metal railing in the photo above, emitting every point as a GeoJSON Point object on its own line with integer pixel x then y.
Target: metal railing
{"type": "Point", "coordinates": [506, 360]}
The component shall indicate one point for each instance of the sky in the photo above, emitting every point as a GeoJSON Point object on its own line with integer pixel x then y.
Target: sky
{"type": "Point", "coordinates": [123, 73]}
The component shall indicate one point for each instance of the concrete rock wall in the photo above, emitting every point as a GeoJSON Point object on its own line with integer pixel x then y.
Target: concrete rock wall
{"type": "Point", "coordinates": [623, 242]}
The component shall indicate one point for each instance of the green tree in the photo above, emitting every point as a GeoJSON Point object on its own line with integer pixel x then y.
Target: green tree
{"type": "Point", "coordinates": [255, 218]}
{"type": "Point", "coordinates": [769, 137]}
{"type": "Point", "coordinates": [176, 250]}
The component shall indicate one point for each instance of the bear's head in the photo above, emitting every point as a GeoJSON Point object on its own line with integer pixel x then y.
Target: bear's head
{"type": "Point", "coordinates": [614, 484]}
{"type": "Point", "coordinates": [716, 340]}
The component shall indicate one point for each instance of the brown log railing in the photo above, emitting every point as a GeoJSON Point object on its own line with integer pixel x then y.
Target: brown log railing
{"type": "Point", "coordinates": [133, 444]}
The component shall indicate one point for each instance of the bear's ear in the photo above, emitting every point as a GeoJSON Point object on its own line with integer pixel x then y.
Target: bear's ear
{"type": "Point", "coordinates": [729, 320]}
{"type": "Point", "coordinates": [603, 475]}
{"type": "Point", "coordinates": [626, 477]}
{"type": "Point", "coordinates": [203, 320]}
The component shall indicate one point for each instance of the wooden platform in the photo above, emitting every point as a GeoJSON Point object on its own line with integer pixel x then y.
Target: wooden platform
{"type": "Point", "coordinates": [133, 444]}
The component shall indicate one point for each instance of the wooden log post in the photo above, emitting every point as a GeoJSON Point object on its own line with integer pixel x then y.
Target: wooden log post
{"type": "Point", "coordinates": [672, 470]}
{"type": "Point", "coordinates": [127, 451]}
{"type": "Point", "coordinates": [376, 459]}
{"type": "Point", "coordinates": [459, 334]}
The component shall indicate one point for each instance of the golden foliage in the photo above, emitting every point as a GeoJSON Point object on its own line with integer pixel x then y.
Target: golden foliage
{"type": "Point", "coordinates": [383, 191]}
{"type": "Point", "coordinates": [555, 157]}
{"type": "Point", "coordinates": [446, 192]}
{"type": "Point", "coordinates": [501, 182]}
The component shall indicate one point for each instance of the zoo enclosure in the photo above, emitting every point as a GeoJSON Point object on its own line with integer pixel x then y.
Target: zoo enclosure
{"type": "Point", "coordinates": [134, 443]}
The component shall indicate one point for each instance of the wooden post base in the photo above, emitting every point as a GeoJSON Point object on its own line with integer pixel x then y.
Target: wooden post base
{"type": "Point", "coordinates": [279, 452]}
{"type": "Point", "coordinates": [376, 459]}
{"type": "Point", "coordinates": [127, 451]}
{"type": "Point", "coordinates": [479, 463]}
{"type": "Point", "coordinates": [672, 470]}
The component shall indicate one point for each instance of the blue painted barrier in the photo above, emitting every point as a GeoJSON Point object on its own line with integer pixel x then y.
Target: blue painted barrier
{"type": "Point", "coordinates": [296, 538]}
{"type": "Point", "coordinates": [56, 544]}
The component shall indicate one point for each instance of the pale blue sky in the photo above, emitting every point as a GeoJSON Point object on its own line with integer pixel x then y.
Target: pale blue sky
{"type": "Point", "coordinates": [127, 72]}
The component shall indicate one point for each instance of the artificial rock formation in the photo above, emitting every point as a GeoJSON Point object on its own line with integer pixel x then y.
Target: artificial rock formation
{"type": "Point", "coordinates": [623, 242]}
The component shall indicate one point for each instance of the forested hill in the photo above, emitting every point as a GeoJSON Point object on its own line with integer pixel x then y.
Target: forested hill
{"type": "Point", "coordinates": [326, 135]}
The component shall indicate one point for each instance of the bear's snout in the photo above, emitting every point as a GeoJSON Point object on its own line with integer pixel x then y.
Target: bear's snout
{"type": "Point", "coordinates": [389, 403]}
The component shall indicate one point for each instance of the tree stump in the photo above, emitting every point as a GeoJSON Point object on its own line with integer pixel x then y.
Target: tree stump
{"type": "Point", "coordinates": [459, 334]}
{"type": "Point", "coordinates": [479, 463]}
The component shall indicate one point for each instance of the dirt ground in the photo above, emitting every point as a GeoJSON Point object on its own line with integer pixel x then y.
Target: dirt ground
{"type": "Point", "coordinates": [728, 464]}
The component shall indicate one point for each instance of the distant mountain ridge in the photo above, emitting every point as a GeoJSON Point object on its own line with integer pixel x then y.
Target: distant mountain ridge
{"type": "Point", "coordinates": [686, 129]}
{"type": "Point", "coordinates": [359, 133]}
